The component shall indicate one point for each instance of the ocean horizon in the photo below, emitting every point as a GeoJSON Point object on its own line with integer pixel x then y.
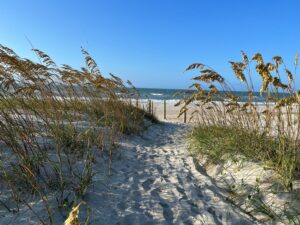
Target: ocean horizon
{"type": "Point", "coordinates": [161, 94]}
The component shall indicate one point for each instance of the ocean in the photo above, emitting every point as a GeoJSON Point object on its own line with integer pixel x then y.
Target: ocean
{"type": "Point", "coordinates": [158, 94]}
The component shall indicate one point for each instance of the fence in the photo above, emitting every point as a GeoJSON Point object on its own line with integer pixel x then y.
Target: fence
{"type": "Point", "coordinates": [164, 109]}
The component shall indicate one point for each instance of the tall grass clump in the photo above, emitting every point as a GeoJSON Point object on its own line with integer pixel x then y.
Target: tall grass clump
{"type": "Point", "coordinates": [54, 121]}
{"type": "Point", "coordinates": [229, 128]}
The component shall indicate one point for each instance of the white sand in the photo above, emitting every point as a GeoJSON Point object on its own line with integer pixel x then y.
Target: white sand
{"type": "Point", "coordinates": [153, 181]}
{"type": "Point", "coordinates": [252, 185]}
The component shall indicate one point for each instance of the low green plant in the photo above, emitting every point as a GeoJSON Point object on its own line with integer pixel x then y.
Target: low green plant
{"type": "Point", "coordinates": [223, 143]}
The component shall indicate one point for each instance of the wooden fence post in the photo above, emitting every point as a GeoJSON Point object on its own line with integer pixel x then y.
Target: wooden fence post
{"type": "Point", "coordinates": [165, 109]}
{"type": "Point", "coordinates": [137, 103]}
{"type": "Point", "coordinates": [184, 119]}
{"type": "Point", "coordinates": [152, 108]}
{"type": "Point", "coordinates": [149, 106]}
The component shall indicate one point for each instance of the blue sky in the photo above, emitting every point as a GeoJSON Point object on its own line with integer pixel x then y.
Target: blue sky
{"type": "Point", "coordinates": [152, 42]}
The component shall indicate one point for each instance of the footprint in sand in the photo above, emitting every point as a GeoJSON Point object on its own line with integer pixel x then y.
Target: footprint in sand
{"type": "Point", "coordinates": [147, 184]}
{"type": "Point", "coordinates": [161, 185]}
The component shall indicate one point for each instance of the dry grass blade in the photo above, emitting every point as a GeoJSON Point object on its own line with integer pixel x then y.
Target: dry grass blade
{"type": "Point", "coordinates": [245, 57]}
{"type": "Point", "coordinates": [45, 58]}
{"type": "Point", "coordinates": [258, 58]}
{"type": "Point", "coordinates": [195, 66]}
{"type": "Point", "coordinates": [73, 215]}
{"type": "Point", "coordinates": [238, 69]}
{"type": "Point", "coordinates": [210, 76]}
{"type": "Point", "coordinates": [296, 59]}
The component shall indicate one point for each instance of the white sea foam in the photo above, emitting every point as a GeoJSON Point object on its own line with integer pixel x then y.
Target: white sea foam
{"type": "Point", "coordinates": [157, 94]}
{"type": "Point", "coordinates": [159, 100]}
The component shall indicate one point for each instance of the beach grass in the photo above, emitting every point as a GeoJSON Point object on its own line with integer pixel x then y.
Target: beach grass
{"type": "Point", "coordinates": [55, 120]}
{"type": "Point", "coordinates": [228, 128]}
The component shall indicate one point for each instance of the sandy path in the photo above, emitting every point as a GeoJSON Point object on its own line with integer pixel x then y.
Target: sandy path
{"type": "Point", "coordinates": [154, 181]}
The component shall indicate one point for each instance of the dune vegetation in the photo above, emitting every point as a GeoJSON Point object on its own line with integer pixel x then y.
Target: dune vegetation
{"type": "Point", "coordinates": [55, 120]}
{"type": "Point", "coordinates": [230, 129]}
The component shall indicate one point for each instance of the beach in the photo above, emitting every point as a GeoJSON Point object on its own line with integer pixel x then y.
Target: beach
{"type": "Point", "coordinates": [184, 113]}
{"type": "Point", "coordinates": [152, 180]}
